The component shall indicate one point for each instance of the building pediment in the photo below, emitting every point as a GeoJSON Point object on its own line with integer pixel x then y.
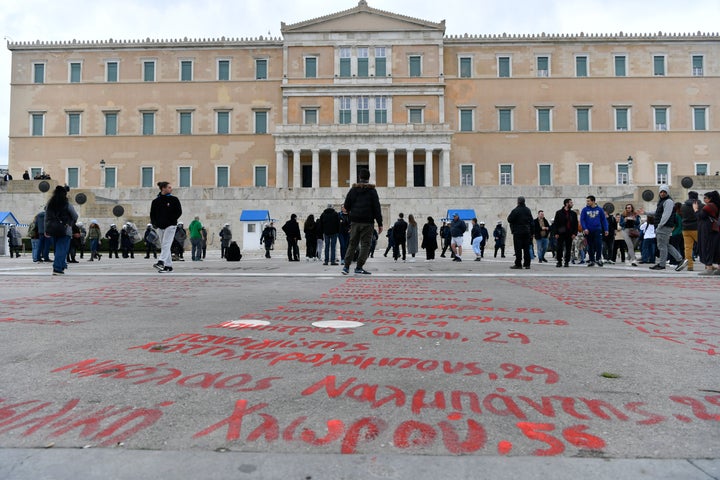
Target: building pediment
{"type": "Point", "coordinates": [362, 19]}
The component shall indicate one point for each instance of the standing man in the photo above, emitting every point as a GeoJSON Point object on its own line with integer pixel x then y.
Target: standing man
{"type": "Point", "coordinates": [594, 225]}
{"type": "Point", "coordinates": [292, 231]}
{"type": "Point", "coordinates": [195, 229]}
{"type": "Point", "coordinates": [164, 213]}
{"type": "Point", "coordinates": [565, 227]}
{"type": "Point", "coordinates": [225, 239]}
{"type": "Point", "coordinates": [330, 226]}
{"type": "Point", "coordinates": [399, 237]}
{"type": "Point", "coordinates": [690, 226]}
{"type": "Point", "coordinates": [541, 231]}
{"type": "Point", "coordinates": [485, 235]}
{"type": "Point", "coordinates": [476, 238]}
{"type": "Point", "coordinates": [457, 231]}
{"type": "Point", "coordinates": [521, 222]}
{"type": "Point", "coordinates": [665, 218]}
{"type": "Point", "coordinates": [363, 206]}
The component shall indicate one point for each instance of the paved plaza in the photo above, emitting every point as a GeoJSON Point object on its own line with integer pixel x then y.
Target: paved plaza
{"type": "Point", "coordinates": [266, 369]}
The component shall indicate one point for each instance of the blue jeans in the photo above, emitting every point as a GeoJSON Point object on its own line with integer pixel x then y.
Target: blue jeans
{"type": "Point", "coordinates": [35, 242]}
{"type": "Point", "coordinates": [44, 247]}
{"type": "Point", "coordinates": [594, 242]}
{"type": "Point", "coordinates": [62, 245]}
{"type": "Point", "coordinates": [647, 250]}
{"type": "Point", "coordinates": [330, 247]}
{"type": "Point", "coordinates": [196, 248]}
{"type": "Point", "coordinates": [542, 246]}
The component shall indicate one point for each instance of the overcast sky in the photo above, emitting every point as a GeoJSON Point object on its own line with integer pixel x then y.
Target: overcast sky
{"type": "Point", "coordinates": [30, 20]}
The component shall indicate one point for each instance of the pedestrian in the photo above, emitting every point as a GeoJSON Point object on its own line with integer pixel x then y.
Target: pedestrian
{"type": "Point", "coordinates": [267, 238]}
{"type": "Point", "coordinates": [541, 232]}
{"type": "Point", "coordinates": [690, 227]}
{"type": "Point", "coordinates": [594, 226]}
{"type": "Point", "coordinates": [330, 225]}
{"type": "Point", "coordinates": [445, 238]}
{"type": "Point", "coordinates": [45, 241]}
{"type": "Point", "coordinates": [7, 177]}
{"type": "Point", "coordinates": [225, 239]}
{"type": "Point", "coordinates": [165, 210]}
{"type": "Point", "coordinates": [630, 228]}
{"type": "Point", "coordinates": [195, 231]}
{"type": "Point", "coordinates": [59, 218]}
{"type": "Point", "coordinates": [609, 239]}
{"type": "Point", "coordinates": [391, 241]}
{"type": "Point", "coordinates": [485, 235]}
{"type": "Point", "coordinates": [233, 252]}
{"type": "Point", "coordinates": [344, 234]}
{"type": "Point", "coordinates": [14, 241]}
{"type": "Point", "coordinates": [499, 235]}
{"type": "Point", "coordinates": [26, 175]}
{"type": "Point", "coordinates": [292, 232]}
{"type": "Point", "coordinates": [319, 239]}
{"type": "Point", "coordinates": [152, 240]}
{"type": "Point", "coordinates": [363, 207]}
{"type": "Point", "coordinates": [429, 240]}
{"type": "Point", "coordinates": [34, 240]}
{"type": "Point", "coordinates": [457, 233]}
{"type": "Point", "coordinates": [619, 242]}
{"type": "Point", "coordinates": [83, 234]}
{"type": "Point", "coordinates": [203, 244]}
{"type": "Point", "coordinates": [74, 246]}
{"type": "Point", "coordinates": [565, 228]}
{"type": "Point", "coordinates": [676, 237]}
{"type": "Point", "coordinates": [476, 238]}
{"type": "Point", "coordinates": [310, 238]}
{"type": "Point", "coordinates": [93, 236]}
{"type": "Point", "coordinates": [708, 232]}
{"type": "Point", "coordinates": [113, 237]}
{"type": "Point", "coordinates": [127, 241]}
{"type": "Point", "coordinates": [521, 221]}
{"type": "Point", "coordinates": [665, 223]}
{"type": "Point", "coordinates": [400, 237]}
{"type": "Point", "coordinates": [412, 237]}
{"type": "Point", "coordinates": [178, 245]}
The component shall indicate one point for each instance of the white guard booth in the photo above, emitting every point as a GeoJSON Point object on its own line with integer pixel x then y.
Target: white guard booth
{"type": "Point", "coordinates": [253, 222]}
{"type": "Point", "coordinates": [7, 219]}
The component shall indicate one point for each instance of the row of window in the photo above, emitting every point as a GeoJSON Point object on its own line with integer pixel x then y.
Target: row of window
{"type": "Point", "coordinates": [363, 113]}
{"type": "Point", "coordinates": [360, 66]}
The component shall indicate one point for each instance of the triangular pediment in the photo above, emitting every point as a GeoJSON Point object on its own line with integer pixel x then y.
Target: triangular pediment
{"type": "Point", "coordinates": [362, 19]}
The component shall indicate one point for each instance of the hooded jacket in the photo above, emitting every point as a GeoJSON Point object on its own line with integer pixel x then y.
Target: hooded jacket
{"type": "Point", "coordinates": [363, 204]}
{"type": "Point", "coordinates": [165, 211]}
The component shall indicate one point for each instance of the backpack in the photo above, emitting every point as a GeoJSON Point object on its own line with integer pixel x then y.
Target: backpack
{"type": "Point", "coordinates": [56, 223]}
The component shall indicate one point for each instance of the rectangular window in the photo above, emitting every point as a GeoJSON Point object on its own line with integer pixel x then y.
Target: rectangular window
{"type": "Point", "coordinates": [38, 124]}
{"type": "Point", "coordinates": [345, 111]}
{"type": "Point", "coordinates": [110, 177]}
{"type": "Point", "coordinates": [543, 120]}
{"type": "Point", "coordinates": [415, 65]}
{"type": "Point", "coordinates": [620, 65]}
{"type": "Point", "coordinates": [505, 119]}
{"type": "Point", "coordinates": [363, 58]}
{"type": "Point", "coordinates": [622, 119]}
{"type": "Point", "coordinates": [415, 115]}
{"type": "Point", "coordinates": [223, 123]}
{"type": "Point", "coordinates": [662, 173]}
{"type": "Point", "coordinates": [659, 65]}
{"type": "Point", "coordinates": [261, 122]}
{"type": "Point", "coordinates": [223, 70]}
{"type": "Point", "coordinates": [310, 116]}
{"type": "Point", "coordinates": [623, 173]}
{"type": "Point", "coordinates": [504, 67]}
{"type": "Point", "coordinates": [185, 123]}
{"type": "Point", "coordinates": [543, 66]}
{"type": "Point", "coordinates": [223, 177]}
{"type": "Point", "coordinates": [581, 66]}
{"type": "Point", "coordinates": [75, 72]}
{"type": "Point", "coordinates": [699, 118]}
{"type": "Point", "coordinates": [584, 174]}
{"type": "Point", "coordinates": [345, 69]}
{"type": "Point", "coordinates": [186, 71]}
{"type": "Point", "coordinates": [310, 67]}
{"type": "Point", "coordinates": [465, 67]}
{"type": "Point", "coordinates": [149, 71]}
{"type": "Point", "coordinates": [583, 119]}
{"type": "Point", "coordinates": [466, 175]}
{"type": "Point", "coordinates": [148, 123]}
{"type": "Point", "coordinates": [466, 120]}
{"type": "Point", "coordinates": [661, 118]}
{"type": "Point", "coordinates": [381, 110]}
{"type": "Point", "coordinates": [363, 110]}
{"type": "Point", "coordinates": [38, 73]}
{"type": "Point", "coordinates": [73, 124]}
{"type": "Point", "coordinates": [35, 172]}
{"type": "Point", "coordinates": [506, 174]}
{"type": "Point", "coordinates": [111, 123]}
{"type": "Point", "coordinates": [697, 65]}
{"type": "Point", "coordinates": [260, 176]}
{"type": "Point", "coordinates": [380, 62]}
{"type": "Point", "coordinates": [73, 177]}
{"type": "Point", "coordinates": [261, 69]}
{"type": "Point", "coordinates": [545, 174]}
{"type": "Point", "coordinates": [185, 174]}
{"type": "Point", "coordinates": [701, 169]}
{"type": "Point", "coordinates": [111, 72]}
{"type": "Point", "coordinates": [147, 175]}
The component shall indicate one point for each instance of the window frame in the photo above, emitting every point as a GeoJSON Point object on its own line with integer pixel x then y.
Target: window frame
{"type": "Point", "coordinates": [588, 110]}
{"type": "Point", "coordinates": [107, 116]}
{"type": "Point", "coordinates": [624, 56]}
{"type": "Point", "coordinates": [506, 178]}
{"type": "Point", "coordinates": [538, 70]}
{"type": "Point", "coordinates": [41, 116]}
{"type": "Point", "coordinates": [538, 111]}
{"type": "Point", "coordinates": [697, 71]}
{"type": "Point", "coordinates": [661, 127]}
{"type": "Point", "coordinates": [219, 65]}
{"type": "Point", "coordinates": [180, 170]}
{"type": "Point", "coordinates": [145, 65]}
{"type": "Point", "coordinates": [256, 177]}
{"type": "Point", "coordinates": [39, 66]}
{"type": "Point", "coordinates": [145, 114]}
{"type": "Point", "coordinates": [511, 118]}
{"type": "Point", "coordinates": [258, 71]}
{"type": "Point", "coordinates": [218, 113]}
{"type": "Point", "coordinates": [306, 65]}
{"type": "Point", "coordinates": [659, 180]}
{"type": "Point", "coordinates": [151, 183]}
{"type": "Point", "coordinates": [411, 58]}
{"type": "Point", "coordinates": [696, 170]}
{"type": "Point", "coordinates": [467, 179]}
{"type": "Point", "coordinates": [363, 67]}
{"type": "Point", "coordinates": [256, 114]}
{"type": "Point", "coordinates": [344, 110]}
{"type": "Point", "coordinates": [362, 115]}
{"type": "Point", "coordinates": [384, 62]}
{"type": "Point", "coordinates": [217, 175]}
{"type": "Point", "coordinates": [114, 171]}
{"type": "Point", "coordinates": [469, 60]}
{"type": "Point", "coordinates": [187, 62]}
{"type": "Point", "coordinates": [307, 118]}
{"type": "Point", "coordinates": [344, 62]}
{"type": "Point", "coordinates": [498, 63]}
{"type": "Point", "coordinates": [694, 112]}
{"type": "Point", "coordinates": [71, 71]}
{"type": "Point", "coordinates": [465, 110]}
{"type": "Point", "coordinates": [70, 117]}
{"type": "Point", "coordinates": [69, 180]}
{"type": "Point", "coordinates": [415, 109]}
{"type": "Point", "coordinates": [628, 117]}
{"type": "Point", "coordinates": [577, 65]}
{"type": "Point", "coordinates": [550, 174]}
{"type": "Point", "coordinates": [590, 173]}
{"type": "Point", "coordinates": [381, 109]}
{"type": "Point", "coordinates": [185, 122]}
{"type": "Point", "coordinates": [108, 70]}
{"type": "Point", "coordinates": [619, 175]}
{"type": "Point", "coordinates": [655, 57]}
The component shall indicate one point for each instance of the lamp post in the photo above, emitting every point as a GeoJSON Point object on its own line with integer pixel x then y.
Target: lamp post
{"type": "Point", "coordinates": [630, 165]}
{"type": "Point", "coordinates": [102, 172]}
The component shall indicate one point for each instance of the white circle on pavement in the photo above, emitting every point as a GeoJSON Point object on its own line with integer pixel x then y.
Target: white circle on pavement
{"type": "Point", "coordinates": [337, 324]}
{"type": "Point", "coordinates": [237, 323]}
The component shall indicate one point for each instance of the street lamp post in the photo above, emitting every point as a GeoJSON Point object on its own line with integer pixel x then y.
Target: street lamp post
{"type": "Point", "coordinates": [630, 165]}
{"type": "Point", "coordinates": [102, 172]}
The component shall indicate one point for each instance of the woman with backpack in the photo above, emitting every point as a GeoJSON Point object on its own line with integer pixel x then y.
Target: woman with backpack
{"type": "Point", "coordinates": [60, 216]}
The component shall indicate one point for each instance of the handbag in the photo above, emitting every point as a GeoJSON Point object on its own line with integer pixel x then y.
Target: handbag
{"type": "Point", "coordinates": [634, 233]}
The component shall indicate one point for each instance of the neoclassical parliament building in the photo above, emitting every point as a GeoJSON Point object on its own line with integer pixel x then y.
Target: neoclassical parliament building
{"type": "Point", "coordinates": [368, 88]}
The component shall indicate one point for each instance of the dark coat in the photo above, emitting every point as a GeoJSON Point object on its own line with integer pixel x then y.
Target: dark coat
{"type": "Point", "coordinates": [565, 223]}
{"type": "Point", "coordinates": [292, 229]}
{"type": "Point", "coordinates": [329, 222]}
{"type": "Point", "coordinates": [165, 211]}
{"type": "Point", "coordinates": [363, 204]}
{"type": "Point", "coordinates": [520, 220]}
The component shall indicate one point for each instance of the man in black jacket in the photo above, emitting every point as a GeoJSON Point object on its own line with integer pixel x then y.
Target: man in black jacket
{"type": "Point", "coordinates": [399, 237]}
{"type": "Point", "coordinates": [565, 228]}
{"type": "Point", "coordinates": [363, 206]}
{"type": "Point", "coordinates": [292, 232]}
{"type": "Point", "coordinates": [165, 210]}
{"type": "Point", "coordinates": [330, 227]}
{"type": "Point", "coordinates": [521, 221]}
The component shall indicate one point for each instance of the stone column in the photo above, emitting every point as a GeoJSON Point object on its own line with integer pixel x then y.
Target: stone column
{"type": "Point", "coordinates": [445, 167]}
{"type": "Point", "coordinates": [391, 167]}
{"type": "Point", "coordinates": [315, 168]}
{"type": "Point", "coordinates": [334, 168]}
{"type": "Point", "coordinates": [428, 168]}
{"type": "Point", "coordinates": [297, 182]}
{"type": "Point", "coordinates": [353, 166]}
{"type": "Point", "coordinates": [280, 169]}
{"type": "Point", "coordinates": [409, 169]}
{"type": "Point", "coordinates": [371, 165]}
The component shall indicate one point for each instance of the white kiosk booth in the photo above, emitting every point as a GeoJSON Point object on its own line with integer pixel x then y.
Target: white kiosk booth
{"type": "Point", "coordinates": [7, 219]}
{"type": "Point", "coordinates": [253, 222]}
